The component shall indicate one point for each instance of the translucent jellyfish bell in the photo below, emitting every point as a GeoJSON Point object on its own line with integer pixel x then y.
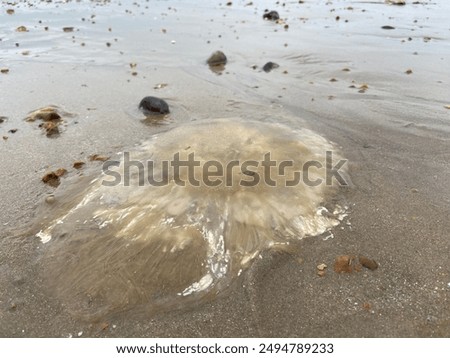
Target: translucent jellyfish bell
{"type": "Point", "coordinates": [117, 240]}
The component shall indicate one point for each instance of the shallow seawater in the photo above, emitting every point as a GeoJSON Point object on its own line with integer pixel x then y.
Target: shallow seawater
{"type": "Point", "coordinates": [127, 237]}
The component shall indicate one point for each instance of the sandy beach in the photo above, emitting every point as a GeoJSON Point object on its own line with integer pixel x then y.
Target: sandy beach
{"type": "Point", "coordinates": [380, 95]}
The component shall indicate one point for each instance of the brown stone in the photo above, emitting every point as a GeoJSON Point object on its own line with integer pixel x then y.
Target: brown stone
{"type": "Point", "coordinates": [78, 164]}
{"type": "Point", "coordinates": [51, 179]}
{"type": "Point", "coordinates": [60, 172]}
{"type": "Point", "coordinates": [98, 158]}
{"type": "Point", "coordinates": [368, 263]}
{"type": "Point", "coordinates": [217, 58]}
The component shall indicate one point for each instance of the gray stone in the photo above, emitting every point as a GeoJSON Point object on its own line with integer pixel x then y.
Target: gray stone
{"type": "Point", "coordinates": [154, 105]}
{"type": "Point", "coordinates": [269, 66]}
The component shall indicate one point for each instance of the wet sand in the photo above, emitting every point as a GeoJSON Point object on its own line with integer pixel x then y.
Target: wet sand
{"type": "Point", "coordinates": [394, 133]}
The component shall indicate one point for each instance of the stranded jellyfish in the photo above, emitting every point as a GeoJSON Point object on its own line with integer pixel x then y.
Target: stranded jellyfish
{"type": "Point", "coordinates": [181, 216]}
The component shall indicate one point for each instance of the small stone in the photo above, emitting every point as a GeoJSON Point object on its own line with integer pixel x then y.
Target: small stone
{"type": "Point", "coordinates": [368, 263]}
{"type": "Point", "coordinates": [321, 273]}
{"type": "Point", "coordinates": [346, 69]}
{"type": "Point", "coordinates": [269, 66]}
{"type": "Point", "coordinates": [160, 86]}
{"type": "Point", "coordinates": [388, 27]}
{"type": "Point", "coordinates": [104, 326]}
{"type": "Point", "coordinates": [68, 29]}
{"type": "Point", "coordinates": [50, 199]}
{"type": "Point", "coordinates": [397, 2]}
{"type": "Point", "coordinates": [60, 172]}
{"type": "Point", "coordinates": [12, 131]}
{"type": "Point", "coordinates": [333, 80]}
{"type": "Point", "coordinates": [98, 158]}
{"type": "Point", "coordinates": [3, 119]}
{"type": "Point", "coordinates": [321, 267]}
{"type": "Point", "coordinates": [78, 164]}
{"type": "Point", "coordinates": [154, 105]}
{"type": "Point", "coordinates": [5, 137]}
{"type": "Point", "coordinates": [4, 70]}
{"type": "Point", "coordinates": [217, 58]}
{"type": "Point", "coordinates": [271, 15]}
{"type": "Point", "coordinates": [51, 179]}
{"type": "Point", "coordinates": [408, 71]}
{"type": "Point", "coordinates": [22, 29]}
{"type": "Point", "coordinates": [363, 88]}
{"type": "Point", "coordinates": [10, 11]}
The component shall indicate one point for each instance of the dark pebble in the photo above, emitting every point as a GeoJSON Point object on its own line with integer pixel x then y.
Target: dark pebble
{"type": "Point", "coordinates": [387, 27]}
{"type": "Point", "coordinates": [217, 58]}
{"type": "Point", "coordinates": [154, 105]}
{"type": "Point", "coordinates": [271, 15]}
{"type": "Point", "coordinates": [269, 66]}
